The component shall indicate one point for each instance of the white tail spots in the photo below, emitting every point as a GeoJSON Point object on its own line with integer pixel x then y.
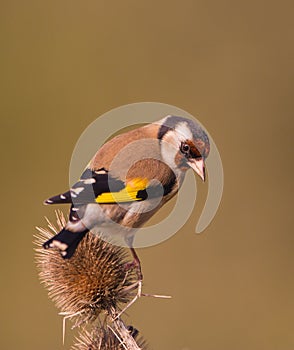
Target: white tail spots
{"type": "Point", "coordinates": [77, 190]}
{"type": "Point", "coordinates": [89, 181]}
{"type": "Point", "coordinates": [57, 244]}
{"type": "Point", "coordinates": [101, 171]}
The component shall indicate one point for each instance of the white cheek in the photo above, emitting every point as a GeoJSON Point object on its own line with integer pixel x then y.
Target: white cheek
{"type": "Point", "coordinates": [169, 150]}
{"type": "Point", "coordinates": [171, 144]}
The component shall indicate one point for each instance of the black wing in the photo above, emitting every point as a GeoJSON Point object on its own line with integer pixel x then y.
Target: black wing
{"type": "Point", "coordinates": [88, 188]}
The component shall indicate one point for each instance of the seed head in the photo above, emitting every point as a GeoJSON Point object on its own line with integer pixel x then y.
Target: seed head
{"type": "Point", "coordinates": [92, 281]}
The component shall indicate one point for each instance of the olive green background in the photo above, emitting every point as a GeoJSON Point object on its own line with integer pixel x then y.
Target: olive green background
{"type": "Point", "coordinates": [229, 63]}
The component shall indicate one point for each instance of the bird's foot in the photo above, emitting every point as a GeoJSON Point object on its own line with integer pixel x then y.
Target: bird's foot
{"type": "Point", "coordinates": [134, 265]}
{"type": "Point", "coordinates": [130, 265]}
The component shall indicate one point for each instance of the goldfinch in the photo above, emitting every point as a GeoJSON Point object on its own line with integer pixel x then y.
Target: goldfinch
{"type": "Point", "coordinates": [128, 187]}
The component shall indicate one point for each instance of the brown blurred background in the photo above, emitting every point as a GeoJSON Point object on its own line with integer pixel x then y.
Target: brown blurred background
{"type": "Point", "coordinates": [229, 63]}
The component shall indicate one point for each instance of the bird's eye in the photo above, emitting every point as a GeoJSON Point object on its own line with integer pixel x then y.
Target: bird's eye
{"type": "Point", "coordinates": [185, 148]}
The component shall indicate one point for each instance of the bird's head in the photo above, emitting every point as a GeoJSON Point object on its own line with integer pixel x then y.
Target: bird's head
{"type": "Point", "coordinates": [184, 144]}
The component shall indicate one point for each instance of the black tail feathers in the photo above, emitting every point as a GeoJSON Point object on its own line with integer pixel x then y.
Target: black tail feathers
{"type": "Point", "coordinates": [59, 199]}
{"type": "Point", "coordinates": [66, 241]}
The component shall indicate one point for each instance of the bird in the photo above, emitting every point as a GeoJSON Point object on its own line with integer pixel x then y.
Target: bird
{"type": "Point", "coordinates": [129, 179]}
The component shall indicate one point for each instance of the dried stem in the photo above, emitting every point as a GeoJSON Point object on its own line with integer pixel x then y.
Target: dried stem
{"type": "Point", "coordinates": [122, 331]}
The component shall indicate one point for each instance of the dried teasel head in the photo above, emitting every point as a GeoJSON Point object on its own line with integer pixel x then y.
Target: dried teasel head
{"type": "Point", "coordinates": [92, 281]}
{"type": "Point", "coordinates": [105, 338]}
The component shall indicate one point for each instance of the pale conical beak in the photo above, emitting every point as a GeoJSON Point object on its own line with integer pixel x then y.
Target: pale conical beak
{"type": "Point", "coordinates": [198, 166]}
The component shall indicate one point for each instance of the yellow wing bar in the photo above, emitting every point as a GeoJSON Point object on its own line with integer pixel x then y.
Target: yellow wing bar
{"type": "Point", "coordinates": [127, 194]}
